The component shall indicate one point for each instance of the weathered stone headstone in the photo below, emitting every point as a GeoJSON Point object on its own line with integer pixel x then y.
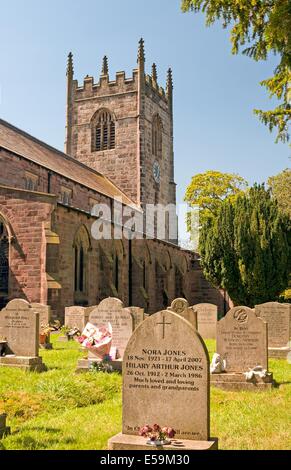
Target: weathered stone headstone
{"type": "Point", "coordinates": [44, 313]}
{"type": "Point", "coordinates": [111, 311]}
{"type": "Point", "coordinates": [165, 381]}
{"type": "Point", "coordinates": [278, 317]}
{"type": "Point", "coordinates": [207, 320]}
{"type": "Point", "coordinates": [181, 307]}
{"type": "Point", "coordinates": [242, 342]}
{"type": "Point", "coordinates": [19, 325]}
{"type": "Point", "coordinates": [137, 315]}
{"type": "Point", "coordinates": [76, 317]}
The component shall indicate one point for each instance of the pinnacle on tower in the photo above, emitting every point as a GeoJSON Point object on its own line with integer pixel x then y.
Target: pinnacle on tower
{"type": "Point", "coordinates": [154, 73]}
{"type": "Point", "coordinates": [70, 67]}
{"type": "Point", "coordinates": [169, 82]}
{"type": "Point", "coordinates": [105, 66]}
{"type": "Point", "coordinates": [141, 54]}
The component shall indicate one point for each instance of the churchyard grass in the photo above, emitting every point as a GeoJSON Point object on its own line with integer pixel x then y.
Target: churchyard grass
{"type": "Point", "coordinates": [58, 409]}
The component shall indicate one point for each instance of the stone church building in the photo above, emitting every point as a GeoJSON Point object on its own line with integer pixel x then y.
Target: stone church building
{"type": "Point", "coordinates": [119, 144]}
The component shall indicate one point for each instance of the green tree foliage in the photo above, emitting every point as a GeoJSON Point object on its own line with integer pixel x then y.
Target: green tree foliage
{"type": "Point", "coordinates": [265, 27]}
{"type": "Point", "coordinates": [208, 190]}
{"type": "Point", "coordinates": [245, 248]}
{"type": "Point", "coordinates": [280, 186]}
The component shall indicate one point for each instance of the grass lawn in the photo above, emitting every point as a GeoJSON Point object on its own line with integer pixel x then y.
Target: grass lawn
{"type": "Point", "coordinates": [58, 409]}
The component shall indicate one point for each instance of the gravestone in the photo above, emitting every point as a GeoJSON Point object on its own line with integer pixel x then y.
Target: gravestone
{"type": "Point", "coordinates": [243, 343]}
{"type": "Point", "coordinates": [44, 320]}
{"type": "Point", "coordinates": [278, 317]}
{"type": "Point", "coordinates": [19, 325]}
{"type": "Point", "coordinates": [181, 307]}
{"type": "Point", "coordinates": [138, 315]}
{"type": "Point", "coordinates": [111, 311]}
{"type": "Point", "coordinates": [207, 320]}
{"type": "Point", "coordinates": [76, 317]}
{"type": "Point", "coordinates": [165, 381]}
{"type": "Point", "coordinates": [44, 313]}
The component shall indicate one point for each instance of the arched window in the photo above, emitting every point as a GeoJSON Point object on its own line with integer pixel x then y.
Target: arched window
{"type": "Point", "coordinates": [4, 264]}
{"type": "Point", "coordinates": [157, 136]}
{"type": "Point", "coordinates": [103, 131]}
{"type": "Point", "coordinates": [81, 248]}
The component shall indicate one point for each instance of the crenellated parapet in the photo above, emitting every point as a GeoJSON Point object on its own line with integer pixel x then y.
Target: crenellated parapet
{"type": "Point", "coordinates": [104, 86]}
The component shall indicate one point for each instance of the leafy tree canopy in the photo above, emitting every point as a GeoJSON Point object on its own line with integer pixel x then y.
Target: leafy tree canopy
{"type": "Point", "coordinates": [208, 190]}
{"type": "Point", "coordinates": [280, 186]}
{"type": "Point", "coordinates": [264, 26]}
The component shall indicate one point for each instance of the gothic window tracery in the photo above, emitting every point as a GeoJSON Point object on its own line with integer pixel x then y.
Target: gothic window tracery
{"type": "Point", "coordinates": [157, 136]}
{"type": "Point", "coordinates": [31, 181]}
{"type": "Point", "coordinates": [81, 249]}
{"type": "Point", "coordinates": [103, 131]}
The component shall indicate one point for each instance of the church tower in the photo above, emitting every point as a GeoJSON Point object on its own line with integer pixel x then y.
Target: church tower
{"type": "Point", "coordinates": [124, 129]}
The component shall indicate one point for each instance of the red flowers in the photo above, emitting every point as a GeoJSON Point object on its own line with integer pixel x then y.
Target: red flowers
{"type": "Point", "coordinates": [156, 433]}
{"type": "Point", "coordinates": [170, 432]}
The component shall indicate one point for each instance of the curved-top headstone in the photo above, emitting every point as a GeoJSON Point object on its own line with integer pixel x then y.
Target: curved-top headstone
{"type": "Point", "coordinates": [278, 317]}
{"type": "Point", "coordinates": [44, 313]}
{"type": "Point", "coordinates": [242, 340]}
{"type": "Point", "coordinates": [207, 319]}
{"type": "Point", "coordinates": [166, 378]}
{"type": "Point", "coordinates": [181, 307]}
{"type": "Point", "coordinates": [19, 324]}
{"type": "Point", "coordinates": [111, 310]}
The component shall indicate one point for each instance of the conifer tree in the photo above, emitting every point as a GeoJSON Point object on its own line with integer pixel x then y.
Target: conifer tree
{"type": "Point", "coordinates": [245, 248]}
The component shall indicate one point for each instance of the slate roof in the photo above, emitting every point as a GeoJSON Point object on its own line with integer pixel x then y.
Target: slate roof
{"type": "Point", "coordinates": [34, 150]}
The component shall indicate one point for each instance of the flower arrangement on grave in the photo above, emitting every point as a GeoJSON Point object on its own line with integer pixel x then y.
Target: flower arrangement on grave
{"type": "Point", "coordinates": [156, 434]}
{"type": "Point", "coordinates": [102, 366]}
{"type": "Point", "coordinates": [56, 326]}
{"type": "Point", "coordinates": [97, 339]}
{"type": "Point", "coordinates": [44, 333]}
{"type": "Point", "coordinates": [65, 330]}
{"type": "Point", "coordinates": [74, 333]}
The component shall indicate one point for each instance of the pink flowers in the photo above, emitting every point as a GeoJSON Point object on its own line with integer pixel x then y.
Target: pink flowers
{"type": "Point", "coordinates": [81, 339]}
{"type": "Point", "coordinates": [97, 339]}
{"type": "Point", "coordinates": [145, 430]}
{"type": "Point", "coordinates": [156, 433]}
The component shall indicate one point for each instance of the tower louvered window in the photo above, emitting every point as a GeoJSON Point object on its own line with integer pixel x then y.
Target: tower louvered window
{"type": "Point", "coordinates": [103, 132]}
{"type": "Point", "coordinates": [157, 136]}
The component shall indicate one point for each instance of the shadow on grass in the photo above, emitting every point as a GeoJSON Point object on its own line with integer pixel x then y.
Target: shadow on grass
{"type": "Point", "coordinates": [30, 443]}
{"type": "Point", "coordinates": [279, 384]}
{"type": "Point", "coordinates": [38, 428]}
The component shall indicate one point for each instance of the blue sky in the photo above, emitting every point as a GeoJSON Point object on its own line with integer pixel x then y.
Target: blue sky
{"type": "Point", "coordinates": [215, 92]}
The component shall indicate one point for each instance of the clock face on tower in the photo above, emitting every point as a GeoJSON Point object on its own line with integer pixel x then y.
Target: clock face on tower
{"type": "Point", "coordinates": [157, 172]}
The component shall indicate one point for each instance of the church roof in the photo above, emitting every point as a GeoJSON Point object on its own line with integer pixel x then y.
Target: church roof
{"type": "Point", "coordinates": [30, 148]}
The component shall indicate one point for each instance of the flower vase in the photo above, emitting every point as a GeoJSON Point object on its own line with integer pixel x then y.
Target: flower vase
{"type": "Point", "coordinates": [158, 442]}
